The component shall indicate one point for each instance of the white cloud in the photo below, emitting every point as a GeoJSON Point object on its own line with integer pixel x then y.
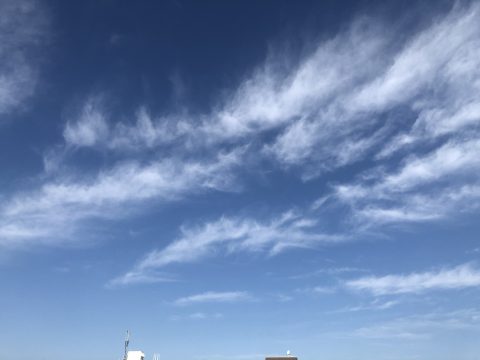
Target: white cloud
{"type": "Point", "coordinates": [273, 97]}
{"type": "Point", "coordinates": [228, 235]}
{"type": "Point", "coordinates": [237, 234]}
{"type": "Point", "coordinates": [215, 297]}
{"type": "Point", "coordinates": [331, 108]}
{"type": "Point", "coordinates": [90, 128]}
{"type": "Point", "coordinates": [328, 271]}
{"type": "Point", "coordinates": [321, 290]}
{"type": "Point", "coordinates": [450, 159]}
{"type": "Point", "coordinates": [51, 214]}
{"type": "Point", "coordinates": [198, 316]}
{"type": "Point", "coordinates": [334, 106]}
{"type": "Point", "coordinates": [140, 278]}
{"type": "Point", "coordinates": [338, 131]}
{"type": "Point", "coordinates": [424, 326]}
{"type": "Point", "coordinates": [22, 31]}
{"type": "Point", "coordinates": [453, 49]}
{"type": "Point", "coordinates": [462, 276]}
{"type": "Point", "coordinates": [420, 63]}
{"type": "Point", "coordinates": [436, 204]}
{"type": "Point", "coordinates": [375, 305]}
{"type": "Point", "coordinates": [424, 188]}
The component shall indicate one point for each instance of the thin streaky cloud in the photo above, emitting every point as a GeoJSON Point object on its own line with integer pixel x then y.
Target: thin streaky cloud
{"type": "Point", "coordinates": [375, 305]}
{"type": "Point", "coordinates": [214, 297]}
{"type": "Point", "coordinates": [327, 114]}
{"type": "Point", "coordinates": [136, 278]}
{"type": "Point", "coordinates": [335, 97]}
{"type": "Point", "coordinates": [51, 214]}
{"type": "Point", "coordinates": [23, 32]}
{"type": "Point", "coordinates": [291, 229]}
{"type": "Point", "coordinates": [422, 326]}
{"type": "Point", "coordinates": [327, 184]}
{"type": "Point", "coordinates": [459, 277]}
{"type": "Point", "coordinates": [328, 271]}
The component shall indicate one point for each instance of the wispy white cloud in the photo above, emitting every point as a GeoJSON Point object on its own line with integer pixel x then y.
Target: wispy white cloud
{"type": "Point", "coordinates": [144, 277]}
{"type": "Point", "coordinates": [51, 213]}
{"type": "Point", "coordinates": [448, 54]}
{"type": "Point", "coordinates": [374, 305]}
{"type": "Point", "coordinates": [332, 108]}
{"type": "Point", "coordinates": [437, 175]}
{"type": "Point", "coordinates": [91, 126]}
{"type": "Point", "coordinates": [336, 105]}
{"type": "Point", "coordinates": [474, 251]}
{"type": "Point", "coordinates": [198, 316]}
{"type": "Point", "coordinates": [273, 97]}
{"type": "Point", "coordinates": [450, 159]}
{"type": "Point", "coordinates": [423, 188]}
{"type": "Point", "coordinates": [462, 276]}
{"type": "Point", "coordinates": [318, 290]}
{"type": "Point", "coordinates": [328, 108]}
{"type": "Point", "coordinates": [229, 235]}
{"type": "Point", "coordinates": [23, 27]}
{"type": "Point", "coordinates": [328, 271]}
{"type": "Point", "coordinates": [215, 297]}
{"type": "Point", "coordinates": [418, 327]}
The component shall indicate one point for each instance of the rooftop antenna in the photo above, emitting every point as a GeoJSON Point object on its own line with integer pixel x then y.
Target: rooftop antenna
{"type": "Point", "coordinates": [127, 340]}
{"type": "Point", "coordinates": [289, 353]}
{"type": "Point", "coordinates": [156, 357]}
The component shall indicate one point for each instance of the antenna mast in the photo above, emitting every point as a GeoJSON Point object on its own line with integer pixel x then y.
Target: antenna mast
{"type": "Point", "coordinates": [127, 340]}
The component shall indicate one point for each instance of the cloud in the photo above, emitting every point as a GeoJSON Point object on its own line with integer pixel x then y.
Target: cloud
{"type": "Point", "coordinates": [237, 234]}
{"type": "Point", "coordinates": [327, 271]}
{"type": "Point", "coordinates": [90, 128]}
{"type": "Point", "coordinates": [139, 278]}
{"type": "Point", "coordinates": [373, 306]}
{"type": "Point", "coordinates": [450, 159]}
{"type": "Point", "coordinates": [272, 97]}
{"type": "Point", "coordinates": [462, 276]}
{"type": "Point", "coordinates": [198, 316]}
{"type": "Point", "coordinates": [339, 97]}
{"type": "Point", "coordinates": [421, 327]}
{"type": "Point", "coordinates": [335, 106]}
{"type": "Point", "coordinates": [423, 58]}
{"type": "Point", "coordinates": [318, 290]}
{"type": "Point", "coordinates": [228, 235]}
{"type": "Point", "coordinates": [447, 203]}
{"type": "Point", "coordinates": [424, 188]}
{"type": "Point", "coordinates": [52, 213]}
{"type": "Point", "coordinates": [365, 94]}
{"type": "Point", "coordinates": [23, 26]}
{"type": "Point", "coordinates": [215, 297]}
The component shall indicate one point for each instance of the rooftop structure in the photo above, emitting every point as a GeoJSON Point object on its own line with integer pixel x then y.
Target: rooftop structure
{"type": "Point", "coordinates": [135, 355]}
{"type": "Point", "coordinates": [132, 355]}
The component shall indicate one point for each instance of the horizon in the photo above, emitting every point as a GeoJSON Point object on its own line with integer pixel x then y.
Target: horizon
{"type": "Point", "coordinates": [235, 179]}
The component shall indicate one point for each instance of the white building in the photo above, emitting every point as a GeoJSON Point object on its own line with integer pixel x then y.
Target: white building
{"type": "Point", "coordinates": [135, 355]}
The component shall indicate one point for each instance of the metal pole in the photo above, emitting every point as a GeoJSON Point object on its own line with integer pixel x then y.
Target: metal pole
{"type": "Point", "coordinates": [127, 340]}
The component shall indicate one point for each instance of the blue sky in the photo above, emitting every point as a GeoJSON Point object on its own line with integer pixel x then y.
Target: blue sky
{"type": "Point", "coordinates": [234, 179]}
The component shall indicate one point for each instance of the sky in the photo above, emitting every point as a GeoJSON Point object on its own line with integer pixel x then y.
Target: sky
{"type": "Point", "coordinates": [232, 179]}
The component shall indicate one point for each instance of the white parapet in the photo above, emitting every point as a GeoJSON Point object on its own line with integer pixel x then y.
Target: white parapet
{"type": "Point", "coordinates": [135, 355]}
